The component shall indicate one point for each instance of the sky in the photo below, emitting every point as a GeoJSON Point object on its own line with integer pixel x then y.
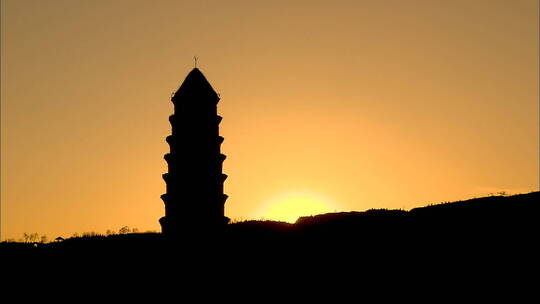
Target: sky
{"type": "Point", "coordinates": [327, 105]}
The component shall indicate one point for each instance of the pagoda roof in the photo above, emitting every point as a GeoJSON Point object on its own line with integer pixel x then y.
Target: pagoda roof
{"type": "Point", "coordinates": [195, 84]}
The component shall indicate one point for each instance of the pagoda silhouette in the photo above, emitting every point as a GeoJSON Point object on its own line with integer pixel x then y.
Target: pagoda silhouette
{"type": "Point", "coordinates": [194, 199]}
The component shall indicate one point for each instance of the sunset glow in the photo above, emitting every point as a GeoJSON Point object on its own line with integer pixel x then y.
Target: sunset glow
{"type": "Point", "coordinates": [289, 206]}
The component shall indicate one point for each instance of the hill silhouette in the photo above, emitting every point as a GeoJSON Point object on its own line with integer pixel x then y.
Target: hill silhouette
{"type": "Point", "coordinates": [480, 223]}
{"type": "Point", "coordinates": [490, 239]}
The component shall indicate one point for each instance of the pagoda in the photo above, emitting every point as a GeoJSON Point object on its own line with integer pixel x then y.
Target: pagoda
{"type": "Point", "coordinates": [194, 199]}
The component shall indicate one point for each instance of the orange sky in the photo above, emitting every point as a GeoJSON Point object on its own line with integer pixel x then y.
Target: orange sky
{"type": "Point", "coordinates": [350, 104]}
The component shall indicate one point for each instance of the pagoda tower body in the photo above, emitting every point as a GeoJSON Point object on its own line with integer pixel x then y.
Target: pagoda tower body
{"type": "Point", "coordinates": [194, 200]}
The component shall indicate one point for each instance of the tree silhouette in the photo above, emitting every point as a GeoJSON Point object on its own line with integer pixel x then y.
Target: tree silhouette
{"type": "Point", "coordinates": [124, 230]}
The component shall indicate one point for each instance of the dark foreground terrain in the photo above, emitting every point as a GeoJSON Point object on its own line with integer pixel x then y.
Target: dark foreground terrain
{"type": "Point", "coordinates": [496, 234]}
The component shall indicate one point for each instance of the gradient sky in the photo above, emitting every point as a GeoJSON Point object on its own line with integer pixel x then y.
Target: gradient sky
{"type": "Point", "coordinates": [348, 105]}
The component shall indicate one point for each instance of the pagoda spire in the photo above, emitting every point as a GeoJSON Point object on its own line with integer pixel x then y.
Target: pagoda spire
{"type": "Point", "coordinates": [194, 199]}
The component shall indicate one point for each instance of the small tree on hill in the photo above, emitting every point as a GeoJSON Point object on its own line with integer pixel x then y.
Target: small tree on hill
{"type": "Point", "coordinates": [31, 237]}
{"type": "Point", "coordinates": [124, 230]}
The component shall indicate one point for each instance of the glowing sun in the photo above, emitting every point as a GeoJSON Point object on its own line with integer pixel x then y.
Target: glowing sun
{"type": "Point", "coordinates": [289, 206]}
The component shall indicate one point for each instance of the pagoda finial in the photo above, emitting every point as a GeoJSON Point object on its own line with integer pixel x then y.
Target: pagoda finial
{"type": "Point", "coordinates": [195, 58]}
